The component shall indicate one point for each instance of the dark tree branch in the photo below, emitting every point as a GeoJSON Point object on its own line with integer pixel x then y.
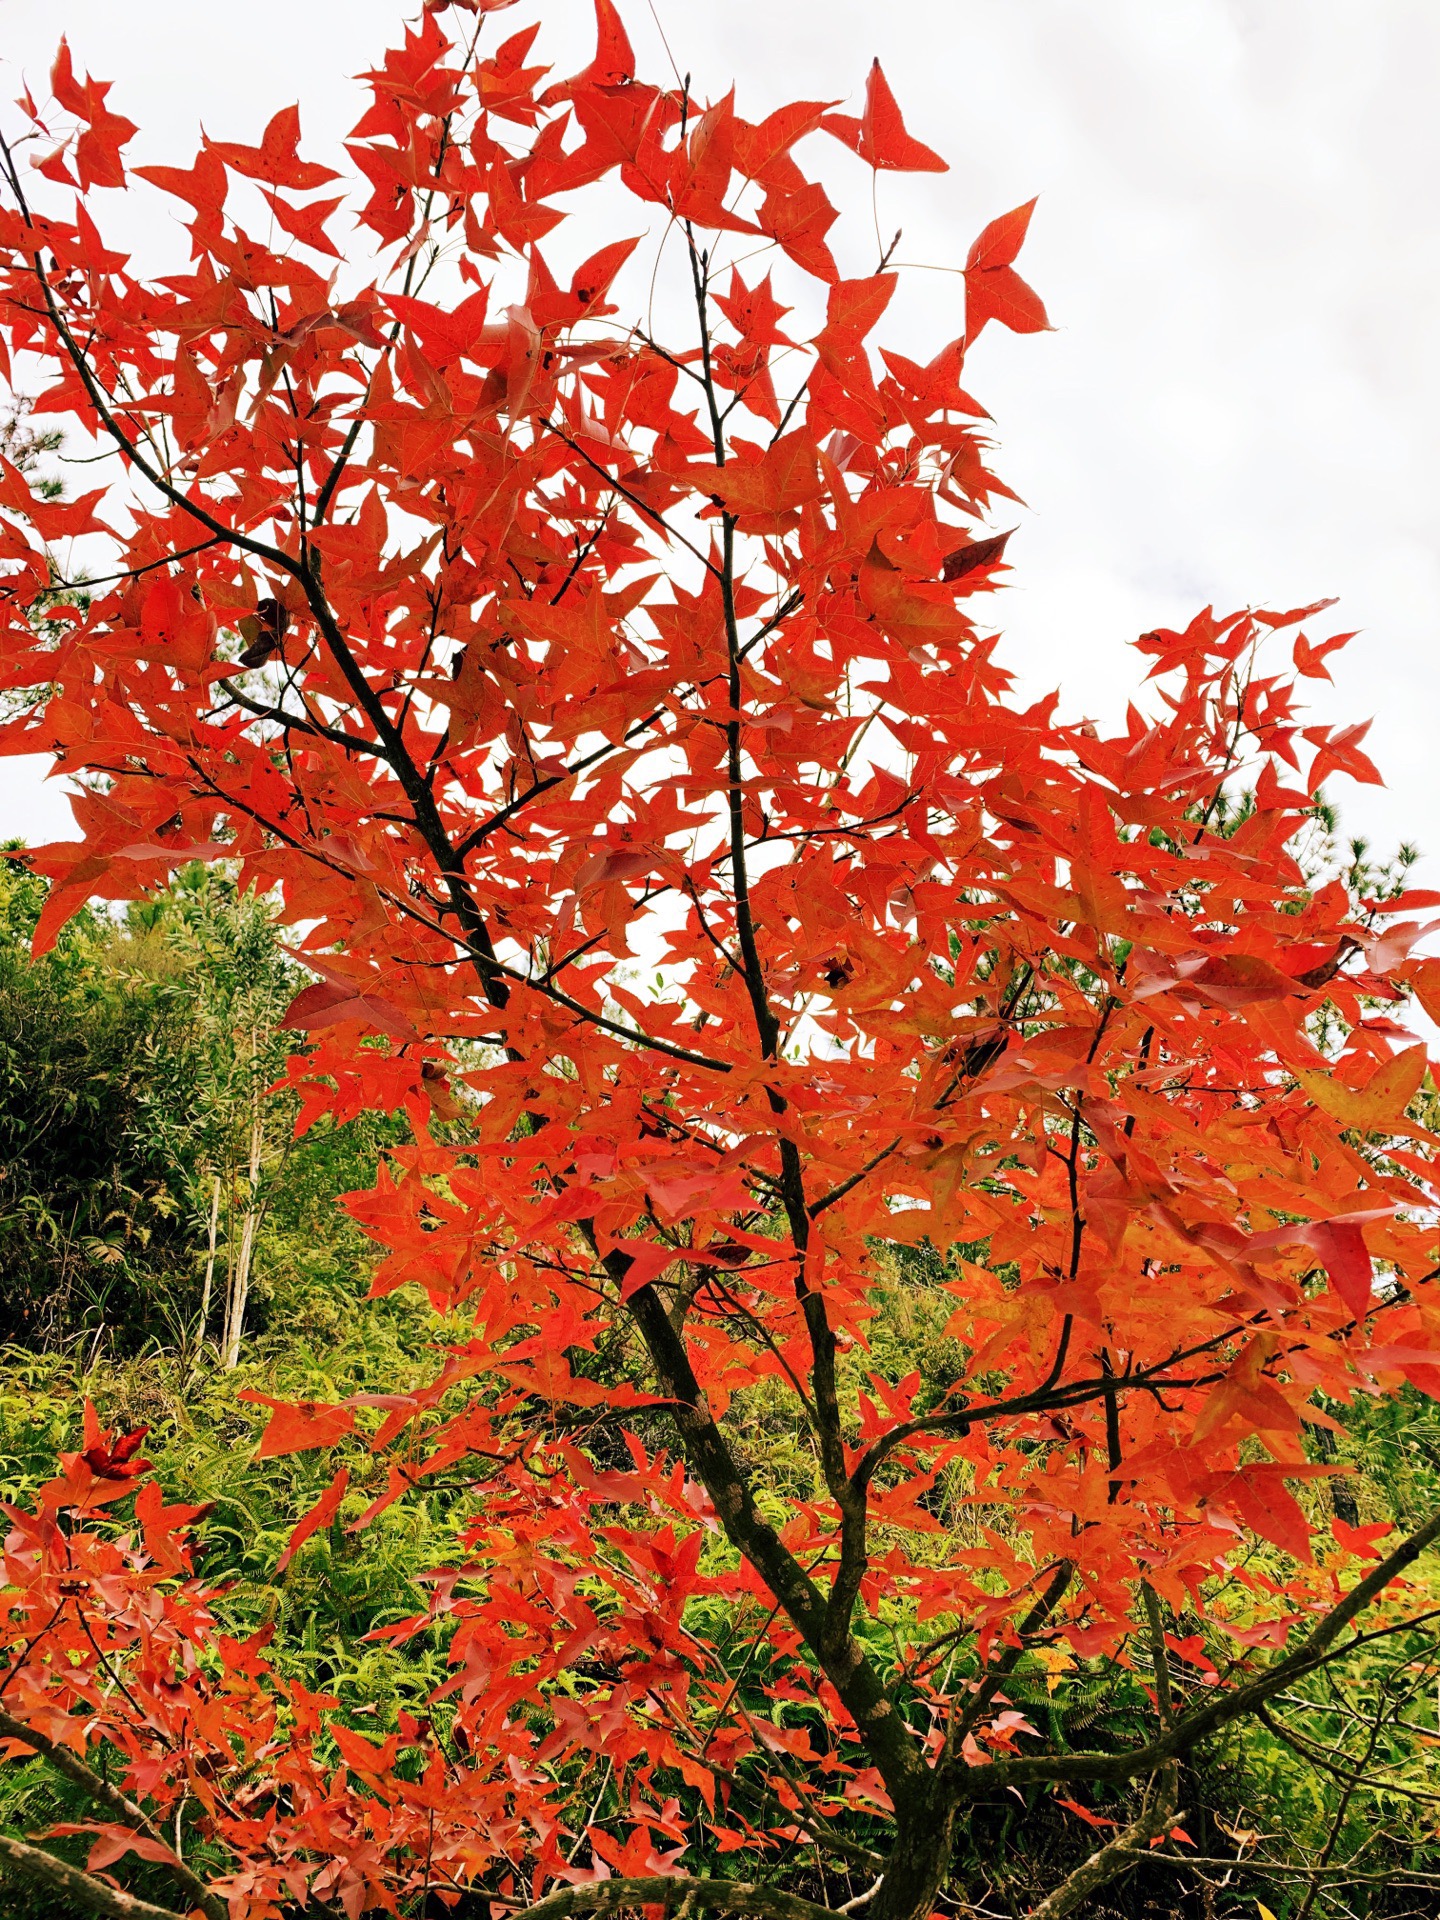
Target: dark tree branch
{"type": "Point", "coordinates": [1113, 1859]}
{"type": "Point", "coordinates": [1312, 1652]}
{"type": "Point", "coordinates": [79, 1887]}
{"type": "Point", "coordinates": [118, 1805]}
{"type": "Point", "coordinates": [891, 1745]}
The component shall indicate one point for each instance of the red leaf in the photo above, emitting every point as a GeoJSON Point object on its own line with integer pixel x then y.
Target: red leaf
{"type": "Point", "coordinates": [879, 136]}
{"type": "Point", "coordinates": [975, 555]}
{"type": "Point", "coordinates": [993, 290]}
{"type": "Point", "coordinates": [1340, 753]}
{"type": "Point", "coordinates": [998, 293]}
{"type": "Point", "coordinates": [759, 150]}
{"type": "Point", "coordinates": [1001, 241]}
{"type": "Point", "coordinates": [329, 1002]}
{"type": "Point", "coordinates": [298, 1426]}
{"type": "Point", "coordinates": [97, 150]}
{"type": "Point", "coordinates": [1084, 1813]}
{"type": "Point", "coordinates": [1341, 1245]}
{"type": "Point", "coordinates": [1360, 1540]}
{"type": "Point", "coordinates": [786, 476]}
{"type": "Point", "coordinates": [614, 61]}
{"type": "Point", "coordinates": [799, 218]}
{"type": "Point", "coordinates": [203, 185]}
{"type": "Point", "coordinates": [320, 1515]}
{"type": "Point", "coordinates": [277, 158]}
{"type": "Point", "coordinates": [114, 1842]}
{"type": "Point", "coordinates": [1310, 660]}
{"type": "Point", "coordinates": [306, 224]}
{"type": "Point", "coordinates": [592, 279]}
{"type": "Point", "coordinates": [445, 335]}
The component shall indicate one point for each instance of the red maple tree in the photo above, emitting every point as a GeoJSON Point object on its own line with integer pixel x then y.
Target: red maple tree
{"type": "Point", "coordinates": [611, 708]}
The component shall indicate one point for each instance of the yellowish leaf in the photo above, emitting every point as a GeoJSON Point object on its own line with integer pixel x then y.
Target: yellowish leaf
{"type": "Point", "coordinates": [1385, 1095]}
{"type": "Point", "coordinates": [1057, 1663]}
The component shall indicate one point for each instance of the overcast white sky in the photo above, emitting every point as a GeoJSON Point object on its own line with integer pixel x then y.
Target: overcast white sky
{"type": "Point", "coordinates": [1238, 240]}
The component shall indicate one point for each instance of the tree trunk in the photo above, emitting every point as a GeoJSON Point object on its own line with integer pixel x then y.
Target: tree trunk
{"type": "Point", "coordinates": [918, 1863]}
{"type": "Point", "coordinates": [240, 1281]}
{"type": "Point", "coordinates": [208, 1288]}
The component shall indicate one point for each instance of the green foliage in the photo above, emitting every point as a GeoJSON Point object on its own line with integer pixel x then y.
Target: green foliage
{"type": "Point", "coordinates": [25, 446]}
{"type": "Point", "coordinates": [89, 1198]}
{"type": "Point", "coordinates": [136, 1062]}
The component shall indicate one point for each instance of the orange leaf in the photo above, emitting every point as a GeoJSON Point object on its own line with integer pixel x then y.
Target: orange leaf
{"type": "Point", "coordinates": [297, 1426]}
{"type": "Point", "coordinates": [320, 1515]}
{"type": "Point", "coordinates": [786, 476]}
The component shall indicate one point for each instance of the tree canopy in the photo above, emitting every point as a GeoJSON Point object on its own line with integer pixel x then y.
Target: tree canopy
{"type": "Point", "coordinates": [593, 662]}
